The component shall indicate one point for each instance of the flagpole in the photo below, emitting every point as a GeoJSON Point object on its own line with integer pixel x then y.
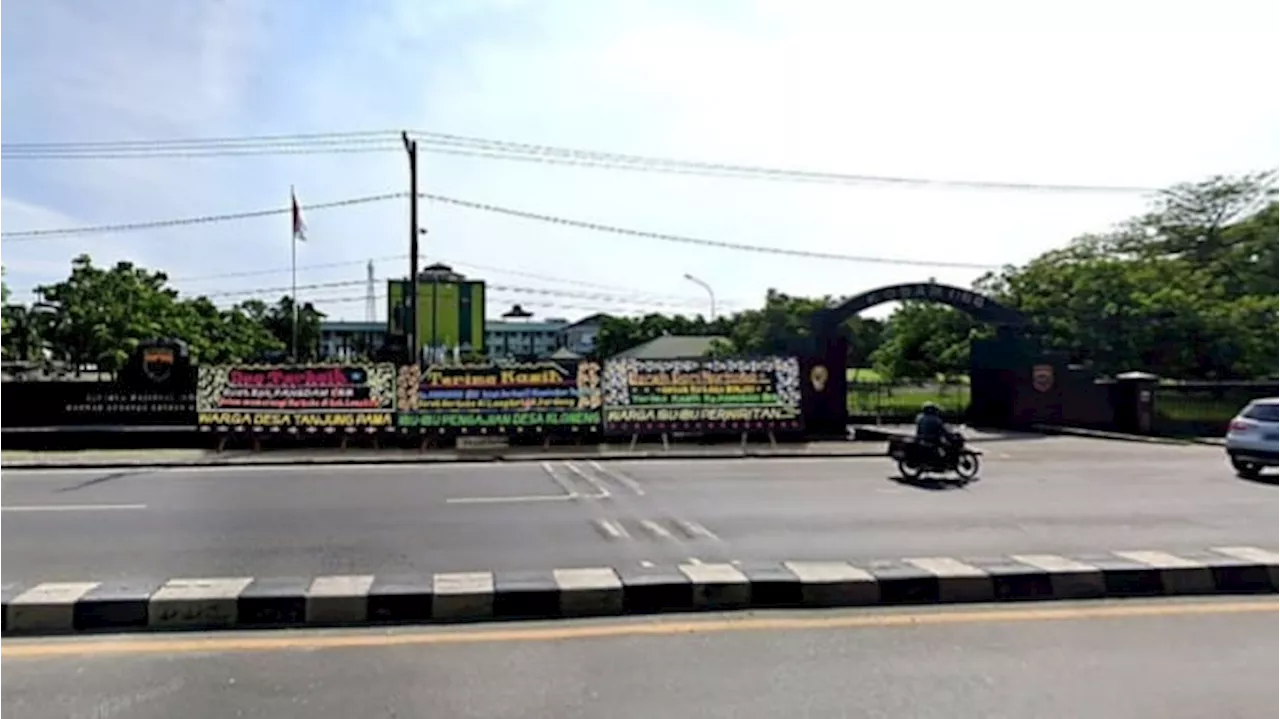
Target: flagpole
{"type": "Point", "coordinates": [293, 252]}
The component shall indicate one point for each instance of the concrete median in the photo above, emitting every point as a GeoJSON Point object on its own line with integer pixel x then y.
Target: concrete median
{"type": "Point", "coordinates": [358, 600]}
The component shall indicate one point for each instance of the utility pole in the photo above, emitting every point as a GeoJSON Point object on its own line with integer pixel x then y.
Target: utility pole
{"type": "Point", "coordinates": [411, 331]}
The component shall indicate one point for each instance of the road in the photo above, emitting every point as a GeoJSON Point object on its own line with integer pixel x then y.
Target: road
{"type": "Point", "coordinates": [1104, 660]}
{"type": "Point", "coordinates": [1046, 494]}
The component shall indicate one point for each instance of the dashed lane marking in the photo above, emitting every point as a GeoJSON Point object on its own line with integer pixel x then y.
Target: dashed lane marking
{"type": "Point", "coordinates": [602, 490]}
{"type": "Point", "coordinates": [514, 499]}
{"type": "Point", "coordinates": [656, 529]}
{"type": "Point", "coordinates": [619, 477]}
{"type": "Point", "coordinates": [694, 530]}
{"type": "Point", "coordinates": [610, 528]}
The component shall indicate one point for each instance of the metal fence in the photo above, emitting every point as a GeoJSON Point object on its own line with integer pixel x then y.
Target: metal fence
{"type": "Point", "coordinates": [883, 399]}
{"type": "Point", "coordinates": [1204, 408]}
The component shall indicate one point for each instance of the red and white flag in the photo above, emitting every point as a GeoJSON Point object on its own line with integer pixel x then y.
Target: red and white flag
{"type": "Point", "coordinates": [299, 227]}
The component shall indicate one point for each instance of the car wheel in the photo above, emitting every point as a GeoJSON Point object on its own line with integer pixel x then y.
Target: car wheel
{"type": "Point", "coordinates": [1246, 469]}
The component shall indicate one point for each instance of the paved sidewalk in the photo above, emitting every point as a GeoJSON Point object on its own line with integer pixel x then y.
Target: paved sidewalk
{"type": "Point", "coordinates": [124, 458]}
{"type": "Point", "coordinates": [362, 600]}
{"type": "Point", "coordinates": [1125, 437]}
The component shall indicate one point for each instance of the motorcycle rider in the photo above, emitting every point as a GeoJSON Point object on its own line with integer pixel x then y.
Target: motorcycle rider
{"type": "Point", "coordinates": [931, 429]}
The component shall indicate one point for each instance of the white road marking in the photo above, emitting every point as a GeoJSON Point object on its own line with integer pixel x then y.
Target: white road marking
{"type": "Point", "coordinates": [518, 498]}
{"type": "Point", "coordinates": [694, 561]}
{"type": "Point", "coordinates": [619, 477]}
{"type": "Point", "coordinates": [570, 493]}
{"type": "Point", "coordinates": [602, 490]}
{"type": "Point", "coordinates": [694, 530]}
{"type": "Point", "coordinates": [656, 529]}
{"type": "Point", "coordinates": [646, 564]}
{"type": "Point", "coordinates": [611, 529]}
{"type": "Point", "coordinates": [343, 468]}
{"type": "Point", "coordinates": [560, 481]}
{"type": "Point", "coordinates": [72, 507]}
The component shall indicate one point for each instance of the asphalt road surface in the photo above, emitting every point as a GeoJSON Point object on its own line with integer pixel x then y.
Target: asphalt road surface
{"type": "Point", "coordinates": [1039, 494]}
{"type": "Point", "coordinates": [1103, 660]}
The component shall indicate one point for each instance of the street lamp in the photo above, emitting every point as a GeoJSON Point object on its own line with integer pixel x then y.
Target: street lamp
{"type": "Point", "coordinates": [710, 293]}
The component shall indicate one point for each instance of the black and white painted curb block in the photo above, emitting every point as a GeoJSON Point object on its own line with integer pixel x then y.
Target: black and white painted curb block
{"type": "Point", "coordinates": [352, 600]}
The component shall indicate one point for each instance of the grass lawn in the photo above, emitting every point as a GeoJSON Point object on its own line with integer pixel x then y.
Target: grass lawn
{"type": "Point", "coordinates": [868, 375]}
{"type": "Point", "coordinates": [883, 399]}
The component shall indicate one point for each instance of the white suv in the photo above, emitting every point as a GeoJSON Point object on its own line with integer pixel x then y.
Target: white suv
{"type": "Point", "coordinates": [1251, 440]}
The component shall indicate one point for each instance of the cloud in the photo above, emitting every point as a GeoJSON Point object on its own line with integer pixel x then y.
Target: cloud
{"type": "Point", "coordinates": [998, 91]}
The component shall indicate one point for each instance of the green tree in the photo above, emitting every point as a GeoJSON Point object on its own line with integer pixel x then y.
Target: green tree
{"type": "Point", "coordinates": [1190, 219]}
{"type": "Point", "coordinates": [622, 333]}
{"type": "Point", "coordinates": [779, 327]}
{"type": "Point", "coordinates": [24, 332]}
{"type": "Point", "coordinates": [1187, 290]}
{"type": "Point", "coordinates": [4, 286]}
{"type": "Point", "coordinates": [785, 322]}
{"type": "Point", "coordinates": [278, 321]}
{"type": "Point", "coordinates": [100, 315]}
{"type": "Point", "coordinates": [5, 315]}
{"type": "Point", "coordinates": [218, 336]}
{"type": "Point", "coordinates": [924, 340]}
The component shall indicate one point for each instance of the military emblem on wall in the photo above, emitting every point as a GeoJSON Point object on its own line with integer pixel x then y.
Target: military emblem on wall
{"type": "Point", "coordinates": [1042, 377]}
{"type": "Point", "coordinates": [818, 377]}
{"type": "Point", "coordinates": [157, 363]}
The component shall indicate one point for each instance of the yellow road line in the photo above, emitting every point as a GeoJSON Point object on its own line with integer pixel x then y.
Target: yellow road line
{"type": "Point", "coordinates": [89, 647]}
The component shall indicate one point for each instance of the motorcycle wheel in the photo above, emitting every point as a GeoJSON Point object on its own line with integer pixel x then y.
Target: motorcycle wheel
{"type": "Point", "coordinates": [967, 465]}
{"type": "Point", "coordinates": [908, 470]}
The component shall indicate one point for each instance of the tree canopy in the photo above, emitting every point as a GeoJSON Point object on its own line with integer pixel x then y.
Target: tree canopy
{"type": "Point", "coordinates": [100, 315]}
{"type": "Point", "coordinates": [1186, 290]}
{"type": "Point", "coordinates": [4, 298]}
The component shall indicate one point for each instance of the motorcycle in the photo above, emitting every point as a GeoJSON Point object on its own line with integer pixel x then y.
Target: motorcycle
{"type": "Point", "coordinates": [915, 458]}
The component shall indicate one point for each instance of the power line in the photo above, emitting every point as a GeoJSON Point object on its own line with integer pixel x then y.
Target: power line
{"type": "Point", "coordinates": [440, 143]}
{"type": "Point", "coordinates": [308, 137]}
{"type": "Point", "coordinates": [23, 235]}
{"type": "Point", "coordinates": [489, 287]}
{"type": "Point", "coordinates": [342, 299]}
{"type": "Point", "coordinates": [597, 227]}
{"type": "Point", "coordinates": [467, 146]}
{"type": "Point", "coordinates": [446, 260]}
{"type": "Point", "coordinates": [510, 212]}
{"type": "Point", "coordinates": [196, 153]}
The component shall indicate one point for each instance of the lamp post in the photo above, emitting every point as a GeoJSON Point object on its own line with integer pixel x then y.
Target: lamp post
{"type": "Point", "coordinates": [710, 293]}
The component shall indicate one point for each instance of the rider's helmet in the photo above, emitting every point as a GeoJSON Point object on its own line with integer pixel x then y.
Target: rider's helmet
{"type": "Point", "coordinates": [929, 408]}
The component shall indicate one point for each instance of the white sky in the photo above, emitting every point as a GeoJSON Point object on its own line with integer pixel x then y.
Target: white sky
{"type": "Point", "coordinates": [1134, 93]}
